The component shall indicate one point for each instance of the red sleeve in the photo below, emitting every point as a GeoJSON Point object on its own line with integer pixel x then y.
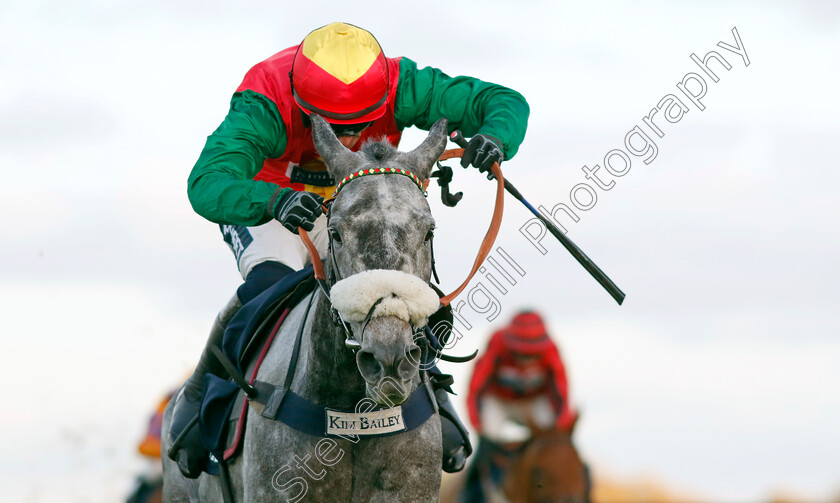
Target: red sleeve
{"type": "Point", "coordinates": [484, 369]}
{"type": "Point", "coordinates": [560, 388]}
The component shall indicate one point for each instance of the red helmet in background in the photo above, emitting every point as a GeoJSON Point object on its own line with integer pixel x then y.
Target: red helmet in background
{"type": "Point", "coordinates": [340, 73]}
{"type": "Point", "coordinates": [526, 335]}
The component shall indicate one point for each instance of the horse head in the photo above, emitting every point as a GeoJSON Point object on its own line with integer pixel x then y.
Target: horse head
{"type": "Point", "coordinates": [549, 470]}
{"type": "Point", "coordinates": [380, 230]}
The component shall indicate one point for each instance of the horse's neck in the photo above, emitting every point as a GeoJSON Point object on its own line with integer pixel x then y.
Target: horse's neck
{"type": "Point", "coordinates": [540, 452]}
{"type": "Point", "coordinates": [327, 373]}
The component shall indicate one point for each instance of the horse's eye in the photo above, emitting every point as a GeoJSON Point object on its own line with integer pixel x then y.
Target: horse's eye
{"type": "Point", "coordinates": [335, 236]}
{"type": "Point", "coordinates": [429, 235]}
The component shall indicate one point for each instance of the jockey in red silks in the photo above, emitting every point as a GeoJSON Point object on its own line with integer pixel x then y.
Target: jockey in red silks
{"type": "Point", "coordinates": [260, 178]}
{"type": "Point", "coordinates": [518, 382]}
{"type": "Point", "coordinates": [519, 378]}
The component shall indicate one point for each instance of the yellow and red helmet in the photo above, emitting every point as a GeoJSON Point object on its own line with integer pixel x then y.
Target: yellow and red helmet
{"type": "Point", "coordinates": [340, 73]}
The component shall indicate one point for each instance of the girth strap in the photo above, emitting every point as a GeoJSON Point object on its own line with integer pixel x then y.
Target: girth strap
{"type": "Point", "coordinates": [278, 393]}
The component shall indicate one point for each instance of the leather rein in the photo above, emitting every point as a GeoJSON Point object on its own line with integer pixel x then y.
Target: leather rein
{"type": "Point", "coordinates": [483, 250]}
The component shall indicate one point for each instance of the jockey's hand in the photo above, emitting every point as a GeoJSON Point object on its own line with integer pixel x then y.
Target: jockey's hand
{"type": "Point", "coordinates": [298, 209]}
{"type": "Point", "coordinates": [482, 151]}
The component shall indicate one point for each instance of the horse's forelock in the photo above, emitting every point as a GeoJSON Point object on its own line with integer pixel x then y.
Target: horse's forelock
{"type": "Point", "coordinates": [378, 150]}
{"type": "Point", "coordinates": [381, 153]}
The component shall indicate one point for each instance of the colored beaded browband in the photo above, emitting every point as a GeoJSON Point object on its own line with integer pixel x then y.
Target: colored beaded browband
{"type": "Point", "coordinates": [379, 171]}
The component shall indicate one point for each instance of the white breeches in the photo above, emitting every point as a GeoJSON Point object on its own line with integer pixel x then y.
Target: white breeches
{"type": "Point", "coordinates": [506, 421]}
{"type": "Point", "coordinates": [272, 241]}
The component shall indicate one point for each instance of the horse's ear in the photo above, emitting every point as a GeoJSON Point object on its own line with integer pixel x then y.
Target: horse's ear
{"type": "Point", "coordinates": [533, 426]}
{"type": "Point", "coordinates": [423, 157]}
{"type": "Point", "coordinates": [571, 428]}
{"type": "Point", "coordinates": [340, 160]}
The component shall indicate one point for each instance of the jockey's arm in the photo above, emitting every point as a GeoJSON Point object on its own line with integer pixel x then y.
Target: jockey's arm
{"type": "Point", "coordinates": [471, 105]}
{"type": "Point", "coordinates": [221, 186]}
{"type": "Point", "coordinates": [559, 388]}
{"type": "Point", "coordinates": [484, 368]}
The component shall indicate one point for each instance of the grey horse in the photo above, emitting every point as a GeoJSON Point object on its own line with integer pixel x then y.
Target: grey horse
{"type": "Point", "coordinates": [375, 223]}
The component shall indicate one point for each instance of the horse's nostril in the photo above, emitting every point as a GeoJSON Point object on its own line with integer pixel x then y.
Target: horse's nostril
{"type": "Point", "coordinates": [369, 366]}
{"type": "Point", "coordinates": [413, 355]}
{"type": "Point", "coordinates": [409, 365]}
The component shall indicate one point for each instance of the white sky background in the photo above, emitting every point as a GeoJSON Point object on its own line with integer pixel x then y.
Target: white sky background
{"type": "Point", "coordinates": [718, 373]}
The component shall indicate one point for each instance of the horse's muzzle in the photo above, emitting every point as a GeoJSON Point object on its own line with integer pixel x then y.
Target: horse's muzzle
{"type": "Point", "coordinates": [388, 360]}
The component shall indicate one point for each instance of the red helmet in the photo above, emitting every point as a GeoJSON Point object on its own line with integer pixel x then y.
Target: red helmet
{"type": "Point", "coordinates": [340, 73]}
{"type": "Point", "coordinates": [527, 335]}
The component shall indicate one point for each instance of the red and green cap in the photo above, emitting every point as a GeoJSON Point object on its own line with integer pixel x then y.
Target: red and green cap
{"type": "Point", "coordinates": [340, 73]}
{"type": "Point", "coordinates": [527, 335]}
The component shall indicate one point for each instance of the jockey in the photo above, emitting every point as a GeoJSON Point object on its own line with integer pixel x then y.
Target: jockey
{"type": "Point", "coordinates": [519, 379]}
{"type": "Point", "coordinates": [150, 445]}
{"type": "Point", "coordinates": [260, 178]}
{"type": "Point", "coordinates": [149, 482]}
{"type": "Point", "coordinates": [518, 382]}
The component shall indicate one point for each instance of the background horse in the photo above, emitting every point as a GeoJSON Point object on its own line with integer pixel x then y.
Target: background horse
{"type": "Point", "coordinates": [147, 490]}
{"type": "Point", "coordinates": [549, 470]}
{"type": "Point", "coordinates": [375, 223]}
{"type": "Point", "coordinates": [544, 469]}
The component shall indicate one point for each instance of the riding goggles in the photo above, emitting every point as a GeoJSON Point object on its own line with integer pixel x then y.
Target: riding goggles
{"type": "Point", "coordinates": [350, 129]}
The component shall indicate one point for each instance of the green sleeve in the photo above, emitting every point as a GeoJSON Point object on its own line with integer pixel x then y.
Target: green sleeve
{"type": "Point", "coordinates": [471, 105]}
{"type": "Point", "coordinates": [221, 186]}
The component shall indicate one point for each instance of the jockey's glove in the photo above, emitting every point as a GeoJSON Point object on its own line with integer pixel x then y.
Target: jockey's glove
{"type": "Point", "coordinates": [482, 151]}
{"type": "Point", "coordinates": [298, 209]}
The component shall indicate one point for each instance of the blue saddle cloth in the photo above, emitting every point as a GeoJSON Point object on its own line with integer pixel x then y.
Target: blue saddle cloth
{"type": "Point", "coordinates": [241, 333]}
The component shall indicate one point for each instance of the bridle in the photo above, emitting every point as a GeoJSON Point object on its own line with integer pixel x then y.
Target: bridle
{"type": "Point", "coordinates": [420, 405]}
{"type": "Point", "coordinates": [483, 251]}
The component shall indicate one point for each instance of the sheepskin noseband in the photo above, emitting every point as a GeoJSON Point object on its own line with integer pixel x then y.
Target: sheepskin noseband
{"type": "Point", "coordinates": [403, 295]}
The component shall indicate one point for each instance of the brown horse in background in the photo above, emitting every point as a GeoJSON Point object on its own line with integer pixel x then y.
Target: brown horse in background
{"type": "Point", "coordinates": [548, 470]}
{"type": "Point", "coordinates": [544, 469]}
